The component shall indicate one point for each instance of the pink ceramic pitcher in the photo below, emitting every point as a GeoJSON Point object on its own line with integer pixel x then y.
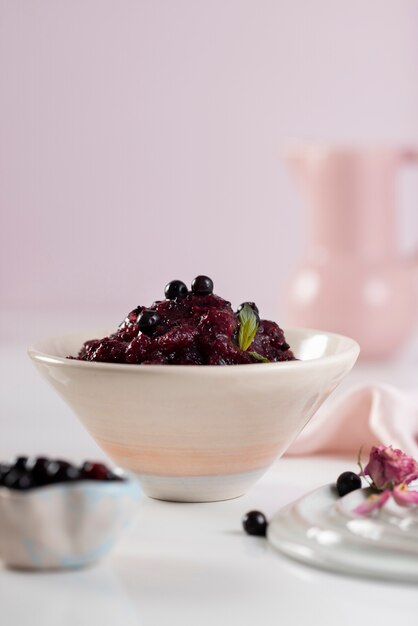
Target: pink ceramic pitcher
{"type": "Point", "coordinates": [353, 280]}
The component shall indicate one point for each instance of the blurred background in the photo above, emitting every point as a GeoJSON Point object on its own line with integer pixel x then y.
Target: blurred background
{"type": "Point", "coordinates": [143, 141]}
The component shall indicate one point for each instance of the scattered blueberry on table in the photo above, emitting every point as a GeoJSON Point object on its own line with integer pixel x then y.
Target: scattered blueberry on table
{"type": "Point", "coordinates": [347, 482]}
{"type": "Point", "coordinates": [255, 523]}
{"type": "Point", "coordinates": [29, 472]}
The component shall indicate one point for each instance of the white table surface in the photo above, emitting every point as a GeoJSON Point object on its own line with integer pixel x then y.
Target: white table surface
{"type": "Point", "coordinates": [187, 564]}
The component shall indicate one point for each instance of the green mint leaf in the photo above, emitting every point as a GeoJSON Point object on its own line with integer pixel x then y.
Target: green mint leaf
{"type": "Point", "coordinates": [248, 325]}
{"type": "Point", "coordinates": [259, 357]}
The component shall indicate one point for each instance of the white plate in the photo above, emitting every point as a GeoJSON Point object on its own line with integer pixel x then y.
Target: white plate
{"type": "Point", "coordinates": [321, 529]}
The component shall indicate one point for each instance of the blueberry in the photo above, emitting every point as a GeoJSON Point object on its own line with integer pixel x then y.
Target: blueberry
{"type": "Point", "coordinates": [12, 478]}
{"type": "Point", "coordinates": [19, 479]}
{"type": "Point", "coordinates": [147, 321]}
{"type": "Point", "coordinates": [347, 482]}
{"type": "Point", "coordinates": [25, 481]}
{"type": "Point", "coordinates": [255, 523]}
{"type": "Point", "coordinates": [202, 286]}
{"type": "Point", "coordinates": [175, 289]}
{"type": "Point", "coordinates": [4, 470]}
{"type": "Point", "coordinates": [39, 470]}
{"type": "Point", "coordinates": [72, 473]}
{"type": "Point", "coordinates": [66, 472]}
{"type": "Point", "coordinates": [251, 304]}
{"type": "Point", "coordinates": [57, 471]}
{"type": "Point", "coordinates": [51, 470]}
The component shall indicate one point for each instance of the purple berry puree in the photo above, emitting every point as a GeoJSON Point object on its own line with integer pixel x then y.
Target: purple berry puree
{"type": "Point", "coordinates": [191, 329]}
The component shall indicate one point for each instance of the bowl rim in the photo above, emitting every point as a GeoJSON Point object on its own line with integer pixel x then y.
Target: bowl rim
{"type": "Point", "coordinates": [129, 483]}
{"type": "Point", "coordinates": [350, 351]}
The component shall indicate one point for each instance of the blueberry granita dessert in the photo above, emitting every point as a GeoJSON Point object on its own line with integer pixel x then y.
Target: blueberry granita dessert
{"type": "Point", "coordinates": [28, 473]}
{"type": "Point", "coordinates": [191, 327]}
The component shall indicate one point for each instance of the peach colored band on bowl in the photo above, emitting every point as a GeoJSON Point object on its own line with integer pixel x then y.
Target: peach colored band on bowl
{"type": "Point", "coordinates": [189, 461]}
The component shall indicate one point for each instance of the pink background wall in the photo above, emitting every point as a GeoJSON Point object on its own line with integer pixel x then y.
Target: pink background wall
{"type": "Point", "coordinates": [140, 141]}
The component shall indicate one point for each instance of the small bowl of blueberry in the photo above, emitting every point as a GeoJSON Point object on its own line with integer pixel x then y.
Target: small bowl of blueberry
{"type": "Point", "coordinates": [57, 515]}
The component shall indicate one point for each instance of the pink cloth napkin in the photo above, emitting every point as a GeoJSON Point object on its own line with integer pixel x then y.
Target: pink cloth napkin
{"type": "Point", "coordinates": [366, 416]}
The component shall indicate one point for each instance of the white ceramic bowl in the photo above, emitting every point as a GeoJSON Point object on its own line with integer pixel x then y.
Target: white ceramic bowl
{"type": "Point", "coordinates": [197, 433]}
{"type": "Point", "coordinates": [64, 525]}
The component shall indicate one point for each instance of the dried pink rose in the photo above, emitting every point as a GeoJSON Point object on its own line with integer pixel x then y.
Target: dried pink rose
{"type": "Point", "coordinates": [391, 471]}
{"type": "Point", "coordinates": [388, 467]}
